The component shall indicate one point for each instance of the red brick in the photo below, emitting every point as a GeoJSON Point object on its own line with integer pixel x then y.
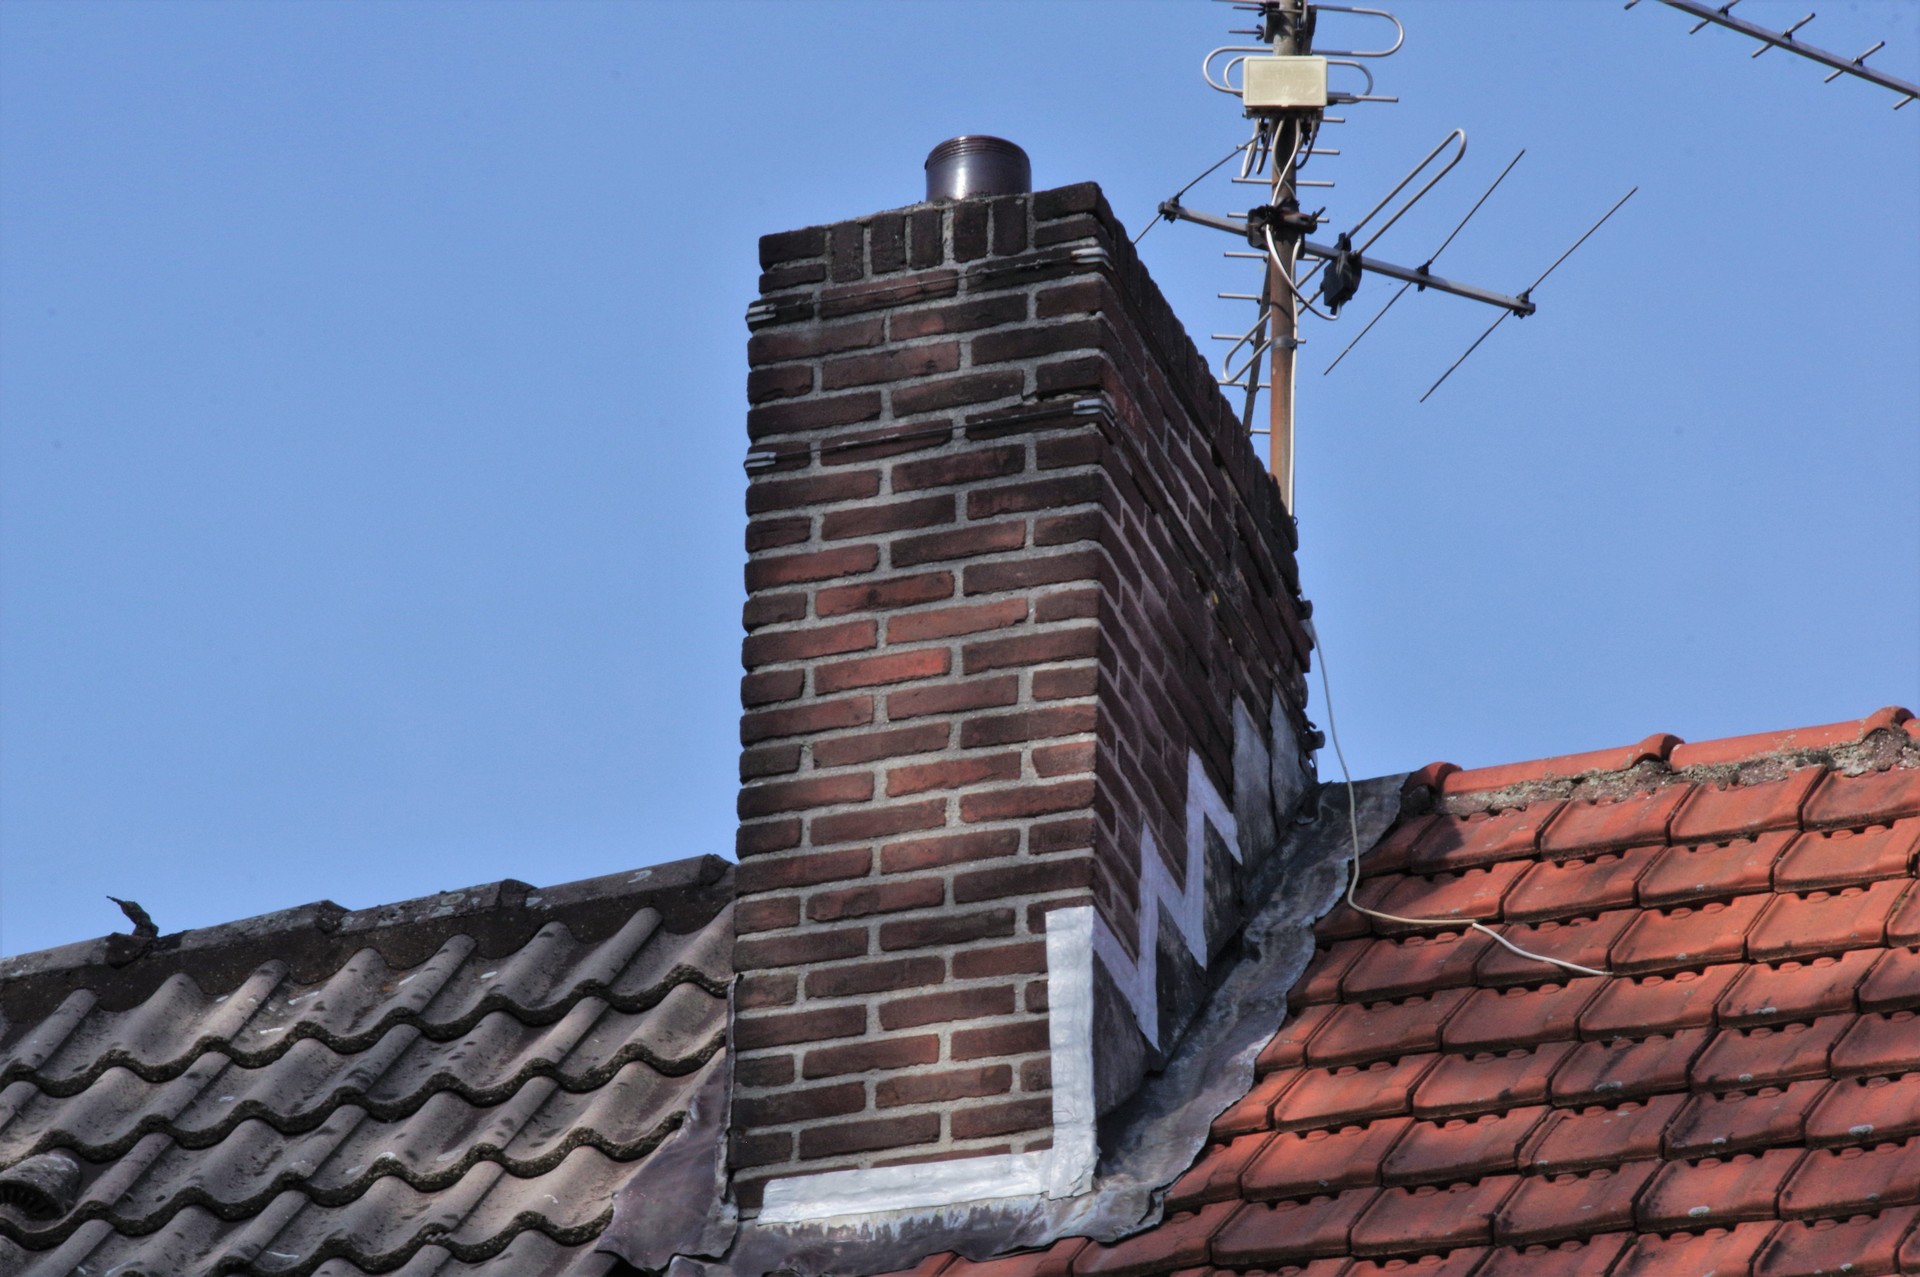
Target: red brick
{"type": "Point", "coordinates": [970, 466]}
{"type": "Point", "coordinates": [803, 870]}
{"type": "Point", "coordinates": [1065, 529]}
{"type": "Point", "coordinates": [946, 1085]}
{"type": "Point", "coordinates": [764, 1070]}
{"type": "Point", "coordinates": [877, 822]}
{"type": "Point", "coordinates": [1034, 724]}
{"type": "Point", "coordinates": [766, 648]}
{"type": "Point", "coordinates": [764, 384]}
{"type": "Point", "coordinates": [769, 760]}
{"type": "Point", "coordinates": [801, 720]}
{"type": "Point", "coordinates": [812, 341]}
{"type": "Point", "coordinates": [751, 1032]}
{"type": "Point", "coordinates": [949, 622]}
{"type": "Point", "coordinates": [765, 494]}
{"type": "Point", "coordinates": [1025, 573]}
{"type": "Point", "coordinates": [880, 294]}
{"type": "Point", "coordinates": [1064, 760]}
{"type": "Point", "coordinates": [1055, 493]}
{"type": "Point", "coordinates": [957, 317]}
{"type": "Point", "coordinates": [814, 565]}
{"type": "Point", "coordinates": [954, 698]}
{"type": "Point", "coordinates": [897, 364]}
{"type": "Point", "coordinates": [884, 595]}
{"type": "Point", "coordinates": [758, 1150]}
{"type": "Point", "coordinates": [978, 1123]}
{"type": "Point", "coordinates": [772, 687]}
{"type": "Point", "coordinates": [1036, 342]}
{"type": "Point", "coordinates": [804, 949]}
{"type": "Point", "coordinates": [765, 837]}
{"type": "Point", "coordinates": [883, 897]}
{"type": "Point", "coordinates": [1066, 682]}
{"type": "Point", "coordinates": [1031, 649]}
{"type": "Point", "coordinates": [952, 928]}
{"type": "Point", "coordinates": [762, 989]}
{"type": "Point", "coordinates": [951, 392]}
{"type": "Point", "coordinates": [814, 413]}
{"type": "Point", "coordinates": [1024, 801]}
{"type": "Point", "coordinates": [808, 1104]}
{"type": "Point", "coordinates": [1082, 448]}
{"type": "Point", "coordinates": [882, 976]}
{"type": "Point", "coordinates": [950, 1005]}
{"type": "Point", "coordinates": [890, 516]}
{"type": "Point", "coordinates": [1009, 882]}
{"type": "Point", "coordinates": [958, 543]}
{"type": "Point", "coordinates": [1067, 605]}
{"type": "Point", "coordinates": [1046, 837]}
{"type": "Point", "coordinates": [871, 1056]}
{"type": "Point", "coordinates": [867, 746]}
{"type": "Point", "coordinates": [1023, 1038]}
{"type": "Point", "coordinates": [766, 913]}
{"type": "Point", "coordinates": [952, 773]}
{"type": "Point", "coordinates": [840, 1138]}
{"type": "Point", "coordinates": [948, 849]}
{"type": "Point", "coordinates": [772, 609]}
{"type": "Point", "coordinates": [768, 534]}
{"type": "Point", "coordinates": [1026, 957]}
{"type": "Point", "coordinates": [874, 671]}
{"type": "Point", "coordinates": [768, 797]}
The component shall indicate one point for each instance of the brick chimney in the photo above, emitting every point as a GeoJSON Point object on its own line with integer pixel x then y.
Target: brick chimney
{"type": "Point", "coordinates": [1023, 701]}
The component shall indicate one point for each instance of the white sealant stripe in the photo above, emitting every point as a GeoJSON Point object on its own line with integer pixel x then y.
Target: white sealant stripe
{"type": "Point", "coordinates": [1065, 1170]}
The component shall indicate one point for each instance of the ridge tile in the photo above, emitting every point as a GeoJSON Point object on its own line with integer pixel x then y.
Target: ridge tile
{"type": "Point", "coordinates": [1431, 1217]}
{"type": "Point", "coordinates": [1840, 857]}
{"type": "Point", "coordinates": [1563, 888]}
{"type": "Point", "coordinates": [1687, 872]}
{"type": "Point", "coordinates": [1716, 812]}
{"type": "Point", "coordinates": [1554, 1208]}
{"type": "Point", "coordinates": [1516, 1016]}
{"type": "Point", "coordinates": [1575, 1140]}
{"type": "Point", "coordinates": [1687, 936]}
{"type": "Point", "coordinates": [1460, 1148]}
{"type": "Point", "coordinates": [1716, 1191]}
{"type": "Point", "coordinates": [1586, 828]}
{"type": "Point", "coordinates": [1626, 1006]}
{"type": "Point", "coordinates": [1742, 1121]}
{"type": "Point", "coordinates": [1873, 798]}
{"type": "Point", "coordinates": [1795, 926]}
{"type": "Point", "coordinates": [1795, 989]}
{"type": "Point", "coordinates": [1769, 1055]}
{"type": "Point", "coordinates": [1861, 1109]}
{"type": "Point", "coordinates": [1290, 1232]}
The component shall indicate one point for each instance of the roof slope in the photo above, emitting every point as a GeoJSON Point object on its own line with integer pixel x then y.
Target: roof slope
{"type": "Point", "coordinates": [1741, 1094]}
{"type": "Point", "coordinates": [454, 1085]}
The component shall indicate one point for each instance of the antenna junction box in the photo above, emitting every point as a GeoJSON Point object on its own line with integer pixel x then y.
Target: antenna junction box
{"type": "Point", "coordinates": [1283, 84]}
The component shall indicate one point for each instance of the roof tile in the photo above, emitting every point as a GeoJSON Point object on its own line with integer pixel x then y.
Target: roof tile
{"type": "Point", "coordinates": [1470, 895]}
{"type": "Point", "coordinates": [1795, 926]}
{"type": "Point", "coordinates": [1580, 1140]}
{"type": "Point", "coordinates": [1570, 888]}
{"type": "Point", "coordinates": [1687, 936]}
{"type": "Point", "coordinates": [1618, 758]}
{"type": "Point", "coordinates": [1553, 1208]}
{"type": "Point", "coordinates": [1180, 1241]}
{"type": "Point", "coordinates": [1314, 1163]}
{"type": "Point", "coordinates": [1716, 812]}
{"type": "Point", "coordinates": [1452, 843]}
{"type": "Point", "coordinates": [1837, 857]}
{"type": "Point", "coordinates": [1873, 798]}
{"type": "Point", "coordinates": [1431, 1217]}
{"type": "Point", "coordinates": [1741, 1121]}
{"type": "Point", "coordinates": [1770, 1055]}
{"type": "Point", "coordinates": [1290, 1232]}
{"type": "Point", "coordinates": [1627, 1006]}
{"type": "Point", "coordinates": [1584, 941]}
{"type": "Point", "coordinates": [1856, 1110]}
{"type": "Point", "coordinates": [1846, 1181]}
{"type": "Point", "coordinates": [1573, 1258]}
{"type": "Point", "coordinates": [1716, 1191]}
{"type": "Point", "coordinates": [1251, 1112]}
{"type": "Point", "coordinates": [1055, 1261]}
{"type": "Point", "coordinates": [1321, 981]}
{"type": "Point", "coordinates": [1625, 1069]}
{"type": "Point", "coordinates": [1389, 855]}
{"type": "Point", "coordinates": [1384, 1031]}
{"type": "Point", "coordinates": [1879, 1043]}
{"type": "Point", "coordinates": [1903, 928]}
{"type": "Point", "coordinates": [1288, 1047]}
{"type": "Point", "coordinates": [1216, 1176]}
{"type": "Point", "coordinates": [1494, 1018]}
{"type": "Point", "coordinates": [1894, 982]}
{"type": "Point", "coordinates": [1460, 1148]}
{"type": "Point", "coordinates": [1458, 1262]}
{"type": "Point", "coordinates": [1809, 1248]}
{"type": "Point", "coordinates": [1419, 963]}
{"type": "Point", "coordinates": [1351, 1093]}
{"type": "Point", "coordinates": [1712, 870]}
{"type": "Point", "coordinates": [1584, 828]}
{"type": "Point", "coordinates": [1489, 1082]}
{"type": "Point", "coordinates": [1795, 989]}
{"type": "Point", "coordinates": [1718, 1252]}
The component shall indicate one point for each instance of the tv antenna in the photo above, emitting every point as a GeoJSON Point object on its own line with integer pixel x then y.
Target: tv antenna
{"type": "Point", "coordinates": [1285, 88]}
{"type": "Point", "coordinates": [1722, 16]}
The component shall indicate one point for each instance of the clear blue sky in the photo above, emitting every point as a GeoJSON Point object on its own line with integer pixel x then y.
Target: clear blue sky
{"type": "Point", "coordinates": [371, 395]}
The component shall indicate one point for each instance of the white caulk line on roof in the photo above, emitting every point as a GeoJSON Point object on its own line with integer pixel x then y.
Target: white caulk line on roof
{"type": "Point", "coordinates": [1064, 1170]}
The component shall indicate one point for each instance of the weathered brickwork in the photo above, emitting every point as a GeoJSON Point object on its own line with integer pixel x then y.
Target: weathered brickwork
{"type": "Point", "coordinates": [1011, 565]}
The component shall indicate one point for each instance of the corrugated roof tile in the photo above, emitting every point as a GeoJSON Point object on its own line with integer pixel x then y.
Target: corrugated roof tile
{"type": "Point", "coordinates": [1629, 1006]}
{"type": "Point", "coordinates": [1578, 1257]}
{"type": "Point", "coordinates": [1894, 982]}
{"type": "Point", "coordinates": [1488, 1082]}
{"type": "Point", "coordinates": [1687, 936]}
{"type": "Point", "coordinates": [1355, 1033]}
{"type": "Point", "coordinates": [1883, 1042]}
{"type": "Point", "coordinates": [1719, 1252]}
{"type": "Point", "coordinates": [1519, 1016]}
{"type": "Point", "coordinates": [1627, 1068]}
{"type": "Point", "coordinates": [1350, 1093]}
{"type": "Point", "coordinates": [1453, 843]}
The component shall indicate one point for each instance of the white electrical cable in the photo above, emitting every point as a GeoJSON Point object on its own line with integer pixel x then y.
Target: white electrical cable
{"type": "Point", "coordinates": [1353, 829]}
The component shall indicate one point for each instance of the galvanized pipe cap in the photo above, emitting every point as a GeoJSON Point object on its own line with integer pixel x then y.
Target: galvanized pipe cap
{"type": "Point", "coordinates": [973, 165]}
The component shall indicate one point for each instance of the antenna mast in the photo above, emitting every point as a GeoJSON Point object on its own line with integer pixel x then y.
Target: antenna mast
{"type": "Point", "coordinates": [1289, 29]}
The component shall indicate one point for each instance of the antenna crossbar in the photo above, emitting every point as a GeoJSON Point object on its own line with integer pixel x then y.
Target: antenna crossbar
{"type": "Point", "coordinates": [1842, 65]}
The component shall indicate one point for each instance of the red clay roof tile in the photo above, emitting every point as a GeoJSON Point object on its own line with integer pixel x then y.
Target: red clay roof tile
{"type": "Point", "coordinates": [1179, 1241]}
{"type": "Point", "coordinates": [1288, 1047]}
{"type": "Point", "coordinates": [1741, 1121]}
{"type": "Point", "coordinates": [1488, 1082]}
{"type": "Point", "coordinates": [1873, 798]}
{"type": "Point", "coordinates": [1687, 936]}
{"type": "Point", "coordinates": [1737, 749]}
{"type": "Point", "coordinates": [1619, 758]}
{"type": "Point", "coordinates": [1866, 1109]}
{"type": "Point", "coordinates": [1471, 895]}
{"type": "Point", "coordinates": [1431, 1217]}
{"type": "Point", "coordinates": [1496, 1018]}
{"type": "Point", "coordinates": [1796, 926]}
{"type": "Point", "coordinates": [1455, 1263]}
{"type": "Point", "coordinates": [1587, 942]}
{"type": "Point", "coordinates": [1384, 1031]}
{"type": "Point", "coordinates": [1716, 812]}
{"type": "Point", "coordinates": [1796, 989]}
{"type": "Point", "coordinates": [1397, 968]}
{"type": "Point", "coordinates": [1389, 855]}
{"type": "Point", "coordinates": [1580, 1140]}
{"type": "Point", "coordinates": [1894, 982]}
{"type": "Point", "coordinates": [1572, 888]}
{"type": "Point", "coordinates": [1290, 1232]}
{"type": "Point", "coordinates": [1452, 843]}
{"type": "Point", "coordinates": [1836, 857]}
{"type": "Point", "coordinates": [1903, 928]}
{"type": "Point", "coordinates": [1460, 1148]}
{"type": "Point", "coordinates": [1055, 1261]}
{"type": "Point", "coordinates": [1584, 828]}
{"type": "Point", "coordinates": [1343, 922]}
{"type": "Point", "coordinates": [1770, 1055]}
{"type": "Point", "coordinates": [1553, 1208]}
{"type": "Point", "coordinates": [1573, 1258]}
{"type": "Point", "coordinates": [1846, 1181]}
{"type": "Point", "coordinates": [1625, 1069]}
{"type": "Point", "coordinates": [1216, 1176]}
{"type": "Point", "coordinates": [1351, 1093]}
{"type": "Point", "coordinates": [1879, 1043]}
{"type": "Point", "coordinates": [1251, 1112]}
{"type": "Point", "coordinates": [1314, 1163]}
{"type": "Point", "coordinates": [1712, 1252]}
{"type": "Point", "coordinates": [1715, 1192]}
{"type": "Point", "coordinates": [1712, 870]}
{"type": "Point", "coordinates": [1811, 1248]}
{"type": "Point", "coordinates": [1629, 1007]}
{"type": "Point", "coordinates": [1321, 981]}
{"type": "Point", "coordinates": [931, 1266]}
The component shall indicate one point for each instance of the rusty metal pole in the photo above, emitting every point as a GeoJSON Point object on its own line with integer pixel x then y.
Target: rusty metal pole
{"type": "Point", "coordinates": [1292, 33]}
